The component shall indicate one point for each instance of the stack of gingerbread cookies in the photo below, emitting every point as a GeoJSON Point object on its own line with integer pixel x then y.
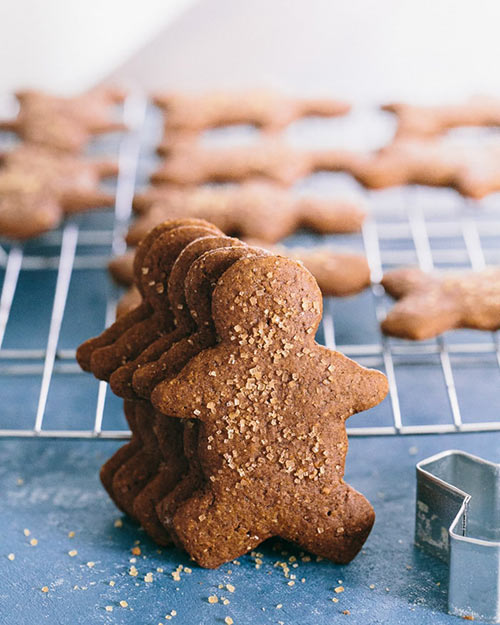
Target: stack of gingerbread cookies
{"type": "Point", "coordinates": [258, 206]}
{"type": "Point", "coordinates": [237, 414]}
{"type": "Point", "coordinates": [45, 177]}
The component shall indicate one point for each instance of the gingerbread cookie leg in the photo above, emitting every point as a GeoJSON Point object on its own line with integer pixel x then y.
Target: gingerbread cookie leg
{"type": "Point", "coordinates": [172, 467]}
{"type": "Point", "coordinates": [137, 471]}
{"type": "Point", "coordinates": [334, 526]}
{"type": "Point", "coordinates": [124, 453]}
{"type": "Point", "coordinates": [214, 529]}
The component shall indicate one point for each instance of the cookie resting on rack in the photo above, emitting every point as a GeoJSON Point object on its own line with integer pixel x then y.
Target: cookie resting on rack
{"type": "Point", "coordinates": [474, 171]}
{"type": "Point", "coordinates": [263, 108]}
{"type": "Point", "coordinates": [253, 210]}
{"type": "Point", "coordinates": [270, 160]}
{"type": "Point", "coordinates": [338, 273]}
{"type": "Point", "coordinates": [429, 304]}
{"type": "Point", "coordinates": [38, 187]}
{"type": "Point", "coordinates": [65, 124]}
{"type": "Point", "coordinates": [272, 404]}
{"type": "Point", "coordinates": [429, 121]}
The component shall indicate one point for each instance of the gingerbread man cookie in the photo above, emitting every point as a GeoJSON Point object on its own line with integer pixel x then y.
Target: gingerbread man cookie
{"type": "Point", "coordinates": [269, 160]}
{"type": "Point", "coordinates": [262, 108]}
{"type": "Point", "coordinates": [430, 121]}
{"type": "Point", "coordinates": [64, 124]}
{"type": "Point", "coordinates": [38, 187]}
{"type": "Point", "coordinates": [473, 171]}
{"type": "Point", "coordinates": [272, 405]}
{"type": "Point", "coordinates": [337, 273]}
{"type": "Point", "coordinates": [431, 304]}
{"type": "Point", "coordinates": [250, 210]}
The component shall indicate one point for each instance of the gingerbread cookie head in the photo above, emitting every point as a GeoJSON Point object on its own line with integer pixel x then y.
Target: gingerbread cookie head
{"type": "Point", "coordinates": [133, 332]}
{"type": "Point", "coordinates": [273, 406]}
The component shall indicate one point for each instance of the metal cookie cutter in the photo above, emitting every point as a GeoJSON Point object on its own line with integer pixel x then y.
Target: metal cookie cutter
{"type": "Point", "coordinates": [458, 520]}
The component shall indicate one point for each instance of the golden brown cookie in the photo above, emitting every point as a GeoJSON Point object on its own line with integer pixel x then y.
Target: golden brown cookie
{"type": "Point", "coordinates": [429, 304]}
{"type": "Point", "coordinates": [272, 405]}
{"type": "Point", "coordinates": [65, 124]}
{"type": "Point", "coordinates": [252, 210]}
{"type": "Point", "coordinates": [262, 108]}
{"type": "Point", "coordinates": [430, 121]}
{"type": "Point", "coordinates": [270, 160]}
{"type": "Point", "coordinates": [38, 187]}
{"type": "Point", "coordinates": [474, 171]}
{"type": "Point", "coordinates": [337, 273]}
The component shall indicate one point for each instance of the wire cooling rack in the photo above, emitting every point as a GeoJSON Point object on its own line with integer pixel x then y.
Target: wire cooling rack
{"type": "Point", "coordinates": [451, 384]}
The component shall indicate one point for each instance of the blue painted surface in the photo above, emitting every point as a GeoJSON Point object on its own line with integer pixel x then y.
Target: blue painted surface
{"type": "Point", "coordinates": [60, 493]}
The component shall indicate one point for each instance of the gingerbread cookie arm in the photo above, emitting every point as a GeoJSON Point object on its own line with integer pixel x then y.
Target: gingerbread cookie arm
{"type": "Point", "coordinates": [320, 107]}
{"type": "Point", "coordinates": [401, 282]}
{"type": "Point", "coordinates": [327, 216]}
{"type": "Point", "coordinates": [111, 334]}
{"type": "Point", "coordinates": [9, 125]}
{"type": "Point", "coordinates": [343, 531]}
{"type": "Point", "coordinates": [121, 268]}
{"type": "Point", "coordinates": [421, 316]}
{"type": "Point", "coordinates": [79, 200]}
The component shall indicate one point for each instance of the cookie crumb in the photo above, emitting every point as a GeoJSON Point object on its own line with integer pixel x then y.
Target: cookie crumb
{"type": "Point", "coordinates": [133, 571]}
{"type": "Point", "coordinates": [148, 578]}
{"type": "Point", "coordinates": [468, 617]}
{"type": "Point", "coordinates": [371, 586]}
{"type": "Point", "coordinates": [187, 570]}
{"type": "Point", "coordinates": [118, 523]}
{"type": "Point", "coordinates": [91, 564]}
{"type": "Point", "coordinates": [291, 583]}
{"type": "Point", "coordinates": [136, 551]}
{"type": "Point", "coordinates": [112, 583]}
{"type": "Point", "coordinates": [26, 532]}
{"type": "Point", "coordinates": [33, 542]}
{"type": "Point", "coordinates": [72, 553]}
{"type": "Point", "coordinates": [11, 556]}
{"type": "Point", "coordinates": [279, 606]}
{"type": "Point", "coordinates": [228, 620]}
{"type": "Point", "coordinates": [123, 604]}
{"type": "Point", "coordinates": [45, 589]}
{"type": "Point", "coordinates": [71, 534]}
{"type": "Point", "coordinates": [159, 570]}
{"type": "Point", "coordinates": [339, 589]}
{"type": "Point", "coordinates": [346, 612]}
{"type": "Point", "coordinates": [109, 608]}
{"type": "Point", "coordinates": [335, 600]}
{"type": "Point", "coordinates": [230, 587]}
{"type": "Point", "coordinates": [213, 599]}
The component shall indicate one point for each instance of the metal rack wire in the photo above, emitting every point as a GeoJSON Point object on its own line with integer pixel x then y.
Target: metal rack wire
{"type": "Point", "coordinates": [410, 238]}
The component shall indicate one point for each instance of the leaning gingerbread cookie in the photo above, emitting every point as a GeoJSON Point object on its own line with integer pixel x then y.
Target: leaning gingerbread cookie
{"type": "Point", "coordinates": [272, 405]}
